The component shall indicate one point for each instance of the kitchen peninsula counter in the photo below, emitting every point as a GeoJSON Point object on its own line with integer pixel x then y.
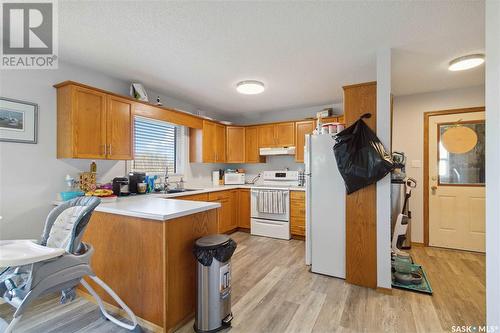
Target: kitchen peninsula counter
{"type": "Point", "coordinates": [143, 251]}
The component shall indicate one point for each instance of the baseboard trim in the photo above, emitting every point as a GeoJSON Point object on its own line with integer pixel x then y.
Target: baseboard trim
{"type": "Point", "coordinates": [386, 291]}
{"type": "Point", "coordinates": [417, 244]}
{"type": "Point", "coordinates": [120, 312]}
{"type": "Point", "coordinates": [298, 237]}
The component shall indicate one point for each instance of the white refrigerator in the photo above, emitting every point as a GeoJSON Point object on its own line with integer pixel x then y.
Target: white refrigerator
{"type": "Point", "coordinates": [325, 207]}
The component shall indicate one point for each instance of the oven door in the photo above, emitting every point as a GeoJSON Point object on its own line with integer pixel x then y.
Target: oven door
{"type": "Point", "coordinates": [267, 216]}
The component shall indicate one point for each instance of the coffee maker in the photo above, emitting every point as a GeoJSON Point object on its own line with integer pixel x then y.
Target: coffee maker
{"type": "Point", "coordinates": [135, 178]}
{"type": "Point", "coordinates": [120, 186]}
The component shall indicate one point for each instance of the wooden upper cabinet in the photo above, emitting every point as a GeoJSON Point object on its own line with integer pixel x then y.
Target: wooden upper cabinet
{"type": "Point", "coordinates": [252, 154]}
{"type": "Point", "coordinates": [93, 125]}
{"type": "Point", "coordinates": [208, 145]}
{"type": "Point", "coordinates": [209, 150]}
{"type": "Point", "coordinates": [88, 124]}
{"type": "Point", "coordinates": [277, 135]}
{"type": "Point", "coordinates": [220, 143]}
{"type": "Point", "coordinates": [301, 129]}
{"type": "Point", "coordinates": [285, 134]}
{"type": "Point", "coordinates": [235, 144]}
{"type": "Point", "coordinates": [120, 124]}
{"type": "Point", "coordinates": [266, 136]}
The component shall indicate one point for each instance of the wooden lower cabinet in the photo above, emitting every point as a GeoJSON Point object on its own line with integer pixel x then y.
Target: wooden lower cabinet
{"type": "Point", "coordinates": [194, 197]}
{"type": "Point", "coordinates": [227, 217]}
{"type": "Point", "coordinates": [155, 275]}
{"type": "Point", "coordinates": [244, 208]}
{"type": "Point", "coordinates": [298, 213]}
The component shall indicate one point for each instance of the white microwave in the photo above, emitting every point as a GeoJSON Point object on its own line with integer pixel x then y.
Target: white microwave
{"type": "Point", "coordinates": [234, 178]}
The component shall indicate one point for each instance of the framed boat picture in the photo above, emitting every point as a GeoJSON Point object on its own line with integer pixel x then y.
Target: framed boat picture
{"type": "Point", "coordinates": [18, 121]}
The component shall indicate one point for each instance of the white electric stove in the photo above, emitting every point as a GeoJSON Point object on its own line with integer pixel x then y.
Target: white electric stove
{"type": "Point", "coordinates": [270, 204]}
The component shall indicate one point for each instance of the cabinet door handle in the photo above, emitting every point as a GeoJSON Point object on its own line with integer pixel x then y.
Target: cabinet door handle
{"type": "Point", "coordinates": [105, 149]}
{"type": "Point", "coordinates": [110, 149]}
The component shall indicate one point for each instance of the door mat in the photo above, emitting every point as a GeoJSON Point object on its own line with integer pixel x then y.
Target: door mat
{"type": "Point", "coordinates": [424, 287]}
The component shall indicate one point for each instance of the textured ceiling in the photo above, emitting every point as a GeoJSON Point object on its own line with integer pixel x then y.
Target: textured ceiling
{"type": "Point", "coordinates": [303, 51]}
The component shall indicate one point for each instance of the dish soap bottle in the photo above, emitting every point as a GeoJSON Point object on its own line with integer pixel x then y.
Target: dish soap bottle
{"type": "Point", "coordinates": [93, 167]}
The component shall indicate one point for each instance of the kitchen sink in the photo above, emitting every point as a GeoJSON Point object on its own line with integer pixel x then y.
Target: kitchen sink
{"type": "Point", "coordinates": [180, 190]}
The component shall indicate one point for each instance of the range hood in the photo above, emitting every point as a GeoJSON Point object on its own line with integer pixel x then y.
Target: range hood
{"type": "Point", "coordinates": [277, 151]}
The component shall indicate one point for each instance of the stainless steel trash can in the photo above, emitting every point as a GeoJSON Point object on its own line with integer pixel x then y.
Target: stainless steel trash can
{"type": "Point", "coordinates": [213, 309]}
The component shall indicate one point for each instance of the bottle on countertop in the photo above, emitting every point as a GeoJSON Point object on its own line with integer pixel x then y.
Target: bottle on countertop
{"type": "Point", "coordinates": [221, 177]}
{"type": "Point", "coordinates": [93, 167]}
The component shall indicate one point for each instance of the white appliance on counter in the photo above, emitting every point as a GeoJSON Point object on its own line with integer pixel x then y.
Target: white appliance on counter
{"type": "Point", "coordinates": [325, 207]}
{"type": "Point", "coordinates": [270, 204]}
{"type": "Point", "coordinates": [233, 178]}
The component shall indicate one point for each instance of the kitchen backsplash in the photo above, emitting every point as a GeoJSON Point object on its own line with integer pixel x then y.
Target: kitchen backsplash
{"type": "Point", "coordinates": [196, 174]}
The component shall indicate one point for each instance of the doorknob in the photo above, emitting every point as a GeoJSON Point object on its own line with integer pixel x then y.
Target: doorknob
{"type": "Point", "coordinates": [433, 189]}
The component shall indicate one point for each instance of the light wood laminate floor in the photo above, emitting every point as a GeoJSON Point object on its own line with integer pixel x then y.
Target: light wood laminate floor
{"type": "Point", "coordinates": [273, 291]}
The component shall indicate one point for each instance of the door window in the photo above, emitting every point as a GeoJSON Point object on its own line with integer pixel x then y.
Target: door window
{"type": "Point", "coordinates": [461, 153]}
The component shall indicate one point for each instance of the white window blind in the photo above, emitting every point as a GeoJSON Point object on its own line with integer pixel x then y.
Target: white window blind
{"type": "Point", "coordinates": [155, 146]}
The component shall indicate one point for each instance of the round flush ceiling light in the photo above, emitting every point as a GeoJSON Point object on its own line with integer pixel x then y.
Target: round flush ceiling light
{"type": "Point", "coordinates": [250, 87]}
{"type": "Point", "coordinates": [466, 62]}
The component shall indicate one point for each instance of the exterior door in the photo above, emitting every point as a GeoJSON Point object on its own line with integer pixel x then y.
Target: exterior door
{"type": "Point", "coordinates": [456, 181]}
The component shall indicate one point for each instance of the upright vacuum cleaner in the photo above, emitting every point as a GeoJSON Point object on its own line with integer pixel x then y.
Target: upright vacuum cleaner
{"type": "Point", "coordinates": [403, 220]}
{"type": "Point", "coordinates": [405, 273]}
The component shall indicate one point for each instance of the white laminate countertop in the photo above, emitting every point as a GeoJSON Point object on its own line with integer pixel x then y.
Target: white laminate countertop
{"type": "Point", "coordinates": [163, 207]}
{"type": "Point", "coordinates": [155, 208]}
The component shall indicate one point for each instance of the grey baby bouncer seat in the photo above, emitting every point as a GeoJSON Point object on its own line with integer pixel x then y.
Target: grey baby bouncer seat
{"type": "Point", "coordinates": [57, 263]}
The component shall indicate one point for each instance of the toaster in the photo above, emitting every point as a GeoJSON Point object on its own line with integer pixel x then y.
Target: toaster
{"type": "Point", "coordinates": [234, 178]}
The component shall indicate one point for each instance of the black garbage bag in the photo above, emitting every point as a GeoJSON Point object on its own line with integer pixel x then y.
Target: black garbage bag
{"type": "Point", "coordinates": [222, 253]}
{"type": "Point", "coordinates": [361, 158]}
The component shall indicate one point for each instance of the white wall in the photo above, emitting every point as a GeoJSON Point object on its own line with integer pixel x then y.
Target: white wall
{"type": "Point", "coordinates": [30, 174]}
{"type": "Point", "coordinates": [408, 130]}
{"type": "Point", "coordinates": [384, 185]}
{"type": "Point", "coordinates": [492, 163]}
